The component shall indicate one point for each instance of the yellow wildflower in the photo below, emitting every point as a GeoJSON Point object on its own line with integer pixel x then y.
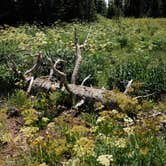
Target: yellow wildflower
{"type": "Point", "coordinates": [100, 119]}
{"type": "Point", "coordinates": [144, 151]}
{"type": "Point", "coordinates": [38, 140]}
{"type": "Point", "coordinates": [43, 164]}
{"type": "Point", "coordinates": [72, 162]}
{"type": "Point", "coordinates": [120, 143]}
{"type": "Point", "coordinates": [84, 147]}
{"type": "Point", "coordinates": [79, 130]}
{"type": "Point", "coordinates": [129, 130]}
{"type": "Point", "coordinates": [51, 125]}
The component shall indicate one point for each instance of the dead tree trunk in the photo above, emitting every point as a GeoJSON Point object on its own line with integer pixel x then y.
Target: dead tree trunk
{"type": "Point", "coordinates": [78, 90]}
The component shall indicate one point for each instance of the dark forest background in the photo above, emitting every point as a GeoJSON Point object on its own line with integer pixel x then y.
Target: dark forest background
{"type": "Point", "coordinates": [49, 11]}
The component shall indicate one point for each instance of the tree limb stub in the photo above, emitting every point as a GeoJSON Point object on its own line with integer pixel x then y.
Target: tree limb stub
{"type": "Point", "coordinates": [30, 85]}
{"type": "Point", "coordinates": [78, 59]}
{"type": "Point", "coordinates": [62, 74]}
{"type": "Point", "coordinates": [78, 48]}
{"type": "Point", "coordinates": [36, 66]}
{"type": "Point", "coordinates": [128, 87]}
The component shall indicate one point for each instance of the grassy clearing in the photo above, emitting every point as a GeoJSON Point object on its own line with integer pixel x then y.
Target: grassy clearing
{"type": "Point", "coordinates": [117, 51]}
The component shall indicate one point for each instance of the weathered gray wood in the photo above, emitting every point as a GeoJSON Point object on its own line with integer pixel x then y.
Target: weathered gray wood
{"type": "Point", "coordinates": [89, 93]}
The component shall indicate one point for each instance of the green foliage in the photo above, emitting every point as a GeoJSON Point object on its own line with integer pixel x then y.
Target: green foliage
{"type": "Point", "coordinates": [41, 103]}
{"type": "Point", "coordinates": [107, 137]}
{"type": "Point", "coordinates": [20, 100]}
{"type": "Point", "coordinates": [5, 135]}
{"type": "Point", "coordinates": [116, 52]}
{"type": "Point", "coordinates": [58, 98]}
{"type": "Point", "coordinates": [30, 116]}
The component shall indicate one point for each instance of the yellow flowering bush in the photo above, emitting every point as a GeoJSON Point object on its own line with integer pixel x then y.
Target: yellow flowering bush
{"type": "Point", "coordinates": [84, 147]}
{"type": "Point", "coordinates": [78, 131]}
{"type": "Point", "coordinates": [60, 146]}
{"type": "Point", "coordinates": [30, 116]}
{"type": "Point", "coordinates": [29, 131]}
{"type": "Point", "coordinates": [126, 103]}
{"type": "Point", "coordinates": [5, 134]}
{"type": "Point", "coordinates": [131, 134]}
{"type": "Point", "coordinates": [120, 142]}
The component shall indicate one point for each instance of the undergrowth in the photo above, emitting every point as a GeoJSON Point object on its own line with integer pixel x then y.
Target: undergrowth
{"type": "Point", "coordinates": [131, 135]}
{"type": "Point", "coordinates": [116, 52]}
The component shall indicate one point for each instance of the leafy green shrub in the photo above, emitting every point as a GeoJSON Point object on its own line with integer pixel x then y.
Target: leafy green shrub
{"type": "Point", "coordinates": [116, 52]}
{"type": "Point", "coordinates": [5, 135]}
{"type": "Point", "coordinates": [20, 100]}
{"type": "Point", "coordinates": [30, 116]}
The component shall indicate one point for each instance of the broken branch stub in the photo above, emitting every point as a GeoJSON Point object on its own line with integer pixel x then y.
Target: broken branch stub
{"type": "Point", "coordinates": [36, 66]}
{"type": "Point", "coordinates": [62, 74]}
{"type": "Point", "coordinates": [78, 48]}
{"type": "Point", "coordinates": [78, 59]}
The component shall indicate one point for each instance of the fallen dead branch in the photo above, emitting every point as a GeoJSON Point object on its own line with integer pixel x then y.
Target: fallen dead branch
{"type": "Point", "coordinates": [145, 96]}
{"type": "Point", "coordinates": [30, 85]}
{"type": "Point", "coordinates": [80, 91]}
{"type": "Point", "coordinates": [128, 87]}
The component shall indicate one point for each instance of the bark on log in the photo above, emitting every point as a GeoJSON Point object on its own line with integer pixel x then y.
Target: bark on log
{"type": "Point", "coordinates": [88, 93]}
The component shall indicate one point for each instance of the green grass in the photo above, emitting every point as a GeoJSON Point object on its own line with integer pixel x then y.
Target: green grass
{"type": "Point", "coordinates": [117, 51]}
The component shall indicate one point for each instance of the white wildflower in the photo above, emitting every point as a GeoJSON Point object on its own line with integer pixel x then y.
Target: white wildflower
{"type": "Point", "coordinates": [129, 130]}
{"type": "Point", "coordinates": [114, 111]}
{"type": "Point", "coordinates": [100, 119]}
{"type": "Point", "coordinates": [128, 121]}
{"type": "Point", "coordinates": [105, 160]}
{"type": "Point", "coordinates": [43, 164]}
{"type": "Point", "coordinates": [120, 143]}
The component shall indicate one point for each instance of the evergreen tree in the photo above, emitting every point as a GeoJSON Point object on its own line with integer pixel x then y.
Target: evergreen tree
{"type": "Point", "coordinates": [111, 9]}
{"type": "Point", "coordinates": [136, 8]}
{"type": "Point", "coordinates": [115, 8]}
{"type": "Point", "coordinates": [88, 10]}
{"type": "Point", "coordinates": [101, 7]}
{"type": "Point", "coordinates": [154, 9]}
{"type": "Point", "coordinates": [48, 11]}
{"type": "Point", "coordinates": [163, 8]}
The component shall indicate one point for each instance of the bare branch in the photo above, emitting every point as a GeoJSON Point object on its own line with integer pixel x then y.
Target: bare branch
{"type": "Point", "coordinates": [83, 82]}
{"type": "Point", "coordinates": [62, 75]}
{"type": "Point", "coordinates": [78, 55]}
{"type": "Point", "coordinates": [145, 96]}
{"type": "Point", "coordinates": [36, 66]}
{"type": "Point", "coordinates": [30, 85]}
{"type": "Point", "coordinates": [51, 74]}
{"type": "Point", "coordinates": [79, 104]}
{"type": "Point", "coordinates": [54, 67]}
{"type": "Point", "coordinates": [128, 86]}
{"type": "Point", "coordinates": [78, 60]}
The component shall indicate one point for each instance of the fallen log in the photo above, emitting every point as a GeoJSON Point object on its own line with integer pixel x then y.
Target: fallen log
{"type": "Point", "coordinates": [106, 97]}
{"type": "Point", "coordinates": [88, 93]}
